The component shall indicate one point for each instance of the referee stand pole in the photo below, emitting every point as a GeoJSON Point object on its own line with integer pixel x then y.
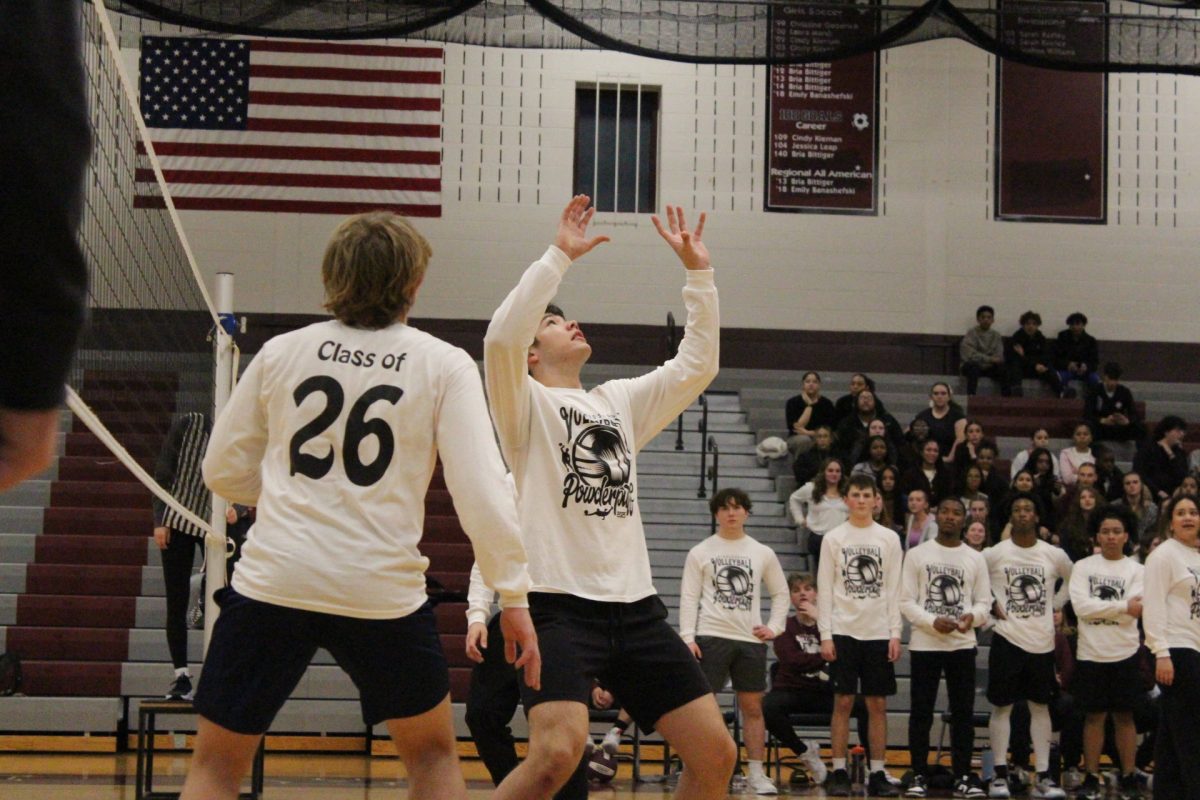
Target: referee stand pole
{"type": "Point", "coordinates": [214, 546]}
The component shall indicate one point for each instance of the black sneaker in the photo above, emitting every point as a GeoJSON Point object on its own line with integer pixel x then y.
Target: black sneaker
{"type": "Point", "coordinates": [1091, 788]}
{"type": "Point", "coordinates": [878, 785]}
{"type": "Point", "coordinates": [1129, 787]}
{"type": "Point", "coordinates": [969, 785]}
{"type": "Point", "coordinates": [181, 689]}
{"type": "Point", "coordinates": [838, 784]}
{"type": "Point", "coordinates": [917, 788]}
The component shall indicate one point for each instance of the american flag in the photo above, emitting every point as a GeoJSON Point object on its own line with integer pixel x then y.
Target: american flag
{"type": "Point", "coordinates": [277, 125]}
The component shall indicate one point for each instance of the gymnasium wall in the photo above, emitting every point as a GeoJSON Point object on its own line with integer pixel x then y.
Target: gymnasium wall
{"type": "Point", "coordinates": [920, 267]}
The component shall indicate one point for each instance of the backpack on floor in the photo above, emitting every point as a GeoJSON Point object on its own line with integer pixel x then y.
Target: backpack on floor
{"type": "Point", "coordinates": [10, 674]}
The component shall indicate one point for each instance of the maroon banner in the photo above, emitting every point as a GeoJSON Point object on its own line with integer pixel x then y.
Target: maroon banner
{"type": "Point", "coordinates": [1052, 126]}
{"type": "Point", "coordinates": [822, 133]}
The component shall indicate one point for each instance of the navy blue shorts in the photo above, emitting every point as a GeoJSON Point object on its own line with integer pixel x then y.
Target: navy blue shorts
{"type": "Point", "coordinates": [260, 651]}
{"type": "Point", "coordinates": [862, 667]}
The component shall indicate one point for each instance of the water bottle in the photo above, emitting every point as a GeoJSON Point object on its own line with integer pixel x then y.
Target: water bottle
{"type": "Point", "coordinates": [987, 763]}
{"type": "Point", "coordinates": [858, 768]}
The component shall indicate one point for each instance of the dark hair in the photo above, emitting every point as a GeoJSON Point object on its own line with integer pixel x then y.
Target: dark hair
{"type": "Point", "coordinates": [818, 481]}
{"type": "Point", "coordinates": [1112, 370]}
{"type": "Point", "coordinates": [1033, 498]}
{"type": "Point", "coordinates": [957, 500]}
{"type": "Point", "coordinates": [984, 309]}
{"type": "Point", "coordinates": [1167, 424]}
{"type": "Point", "coordinates": [1087, 464]}
{"type": "Point", "coordinates": [1031, 316]}
{"type": "Point", "coordinates": [814, 373]}
{"type": "Point", "coordinates": [987, 444]}
{"type": "Point", "coordinates": [1127, 518]}
{"type": "Point", "coordinates": [1077, 316]}
{"type": "Point", "coordinates": [922, 490]}
{"type": "Point", "coordinates": [892, 468]}
{"type": "Point", "coordinates": [861, 481]}
{"type": "Point", "coordinates": [866, 450]}
{"type": "Point", "coordinates": [553, 310]}
{"type": "Point", "coordinates": [802, 578]}
{"type": "Point", "coordinates": [1169, 511]}
{"type": "Point", "coordinates": [722, 498]}
{"type": "Point", "coordinates": [870, 383]}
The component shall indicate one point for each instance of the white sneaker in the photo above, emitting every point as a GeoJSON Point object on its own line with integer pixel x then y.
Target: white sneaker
{"type": "Point", "coordinates": [1046, 789]}
{"type": "Point", "coordinates": [611, 743]}
{"type": "Point", "coordinates": [761, 784]}
{"type": "Point", "coordinates": [811, 759]}
{"type": "Point", "coordinates": [999, 787]}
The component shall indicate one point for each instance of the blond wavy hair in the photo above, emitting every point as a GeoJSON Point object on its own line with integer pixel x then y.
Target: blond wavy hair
{"type": "Point", "coordinates": [373, 264]}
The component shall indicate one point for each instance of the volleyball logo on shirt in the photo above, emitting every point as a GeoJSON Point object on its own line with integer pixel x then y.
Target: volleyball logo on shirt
{"type": "Point", "coordinates": [944, 590]}
{"type": "Point", "coordinates": [1106, 588]}
{"type": "Point", "coordinates": [1026, 591]}
{"type": "Point", "coordinates": [862, 568]}
{"type": "Point", "coordinates": [1195, 573]}
{"type": "Point", "coordinates": [733, 583]}
{"type": "Point", "coordinates": [598, 464]}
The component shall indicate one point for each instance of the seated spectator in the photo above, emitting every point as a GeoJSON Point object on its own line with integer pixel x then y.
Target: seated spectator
{"type": "Point", "coordinates": [930, 474]}
{"type": "Point", "coordinates": [980, 508]}
{"type": "Point", "coordinates": [1076, 354]}
{"type": "Point", "coordinates": [1075, 530]}
{"type": "Point", "coordinates": [910, 448]}
{"type": "Point", "coordinates": [819, 506]}
{"type": "Point", "coordinates": [969, 489]}
{"type": "Point", "coordinates": [858, 452]}
{"type": "Point", "coordinates": [1046, 487]}
{"type": "Point", "coordinates": [1086, 478]}
{"type": "Point", "coordinates": [1194, 462]}
{"type": "Point", "coordinates": [963, 455]}
{"type": "Point", "coordinates": [1108, 475]}
{"type": "Point", "coordinates": [889, 495]}
{"type": "Point", "coordinates": [982, 352]}
{"type": "Point", "coordinates": [806, 412]}
{"type": "Point", "coordinates": [1030, 356]}
{"type": "Point", "coordinates": [1161, 461]}
{"type": "Point", "coordinates": [876, 458]}
{"type": "Point", "coordinates": [993, 485]}
{"type": "Point", "coordinates": [944, 417]}
{"type": "Point", "coordinates": [809, 464]}
{"type": "Point", "coordinates": [847, 403]}
{"type": "Point", "coordinates": [1108, 406]}
{"type": "Point", "coordinates": [1040, 438]}
{"type": "Point", "coordinates": [1188, 487]}
{"type": "Point", "coordinates": [853, 427]}
{"type": "Point", "coordinates": [1136, 498]}
{"type": "Point", "coordinates": [1080, 452]}
{"type": "Point", "coordinates": [919, 525]}
{"type": "Point", "coordinates": [976, 535]}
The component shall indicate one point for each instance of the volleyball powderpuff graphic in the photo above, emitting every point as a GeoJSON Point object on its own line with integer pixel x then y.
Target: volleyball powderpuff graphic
{"type": "Point", "coordinates": [1109, 593]}
{"type": "Point", "coordinates": [945, 590]}
{"type": "Point", "coordinates": [732, 581]}
{"type": "Point", "coordinates": [863, 571]}
{"type": "Point", "coordinates": [1026, 589]}
{"type": "Point", "coordinates": [599, 457]}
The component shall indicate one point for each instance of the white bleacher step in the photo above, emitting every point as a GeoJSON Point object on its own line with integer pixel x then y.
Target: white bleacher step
{"type": "Point", "coordinates": [12, 578]}
{"type": "Point", "coordinates": [683, 462]}
{"type": "Point", "coordinates": [662, 532]}
{"type": "Point", "coordinates": [17, 548]}
{"type": "Point", "coordinates": [60, 715]}
{"type": "Point", "coordinates": [33, 492]}
{"type": "Point", "coordinates": [686, 485]}
{"type": "Point", "coordinates": [21, 519]}
{"type": "Point", "coordinates": [740, 441]}
{"type": "Point", "coordinates": [702, 519]}
{"type": "Point", "coordinates": [697, 505]}
{"type": "Point", "coordinates": [756, 497]}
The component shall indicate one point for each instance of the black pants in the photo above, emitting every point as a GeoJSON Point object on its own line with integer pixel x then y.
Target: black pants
{"type": "Point", "coordinates": [973, 372]}
{"type": "Point", "coordinates": [928, 667]}
{"type": "Point", "coordinates": [1020, 369]}
{"type": "Point", "coordinates": [491, 704]}
{"type": "Point", "coordinates": [1176, 767]}
{"type": "Point", "coordinates": [178, 558]}
{"type": "Point", "coordinates": [779, 703]}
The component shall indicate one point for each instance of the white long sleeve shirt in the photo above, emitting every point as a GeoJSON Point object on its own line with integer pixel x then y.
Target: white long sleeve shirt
{"type": "Point", "coordinates": [858, 583]}
{"type": "Point", "coordinates": [1100, 592]}
{"type": "Point", "coordinates": [573, 452]}
{"type": "Point", "coordinates": [819, 514]}
{"type": "Point", "coordinates": [721, 591]}
{"type": "Point", "coordinates": [1171, 603]}
{"type": "Point", "coordinates": [1023, 583]}
{"type": "Point", "coordinates": [334, 433]}
{"type": "Point", "coordinates": [942, 581]}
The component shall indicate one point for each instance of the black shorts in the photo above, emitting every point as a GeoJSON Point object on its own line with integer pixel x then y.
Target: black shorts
{"type": "Point", "coordinates": [1014, 674]}
{"type": "Point", "coordinates": [743, 662]}
{"type": "Point", "coordinates": [862, 667]}
{"type": "Point", "coordinates": [260, 651]}
{"type": "Point", "coordinates": [628, 647]}
{"type": "Point", "coordinates": [1107, 685]}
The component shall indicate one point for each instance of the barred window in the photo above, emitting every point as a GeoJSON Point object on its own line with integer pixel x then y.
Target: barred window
{"type": "Point", "coordinates": [616, 145]}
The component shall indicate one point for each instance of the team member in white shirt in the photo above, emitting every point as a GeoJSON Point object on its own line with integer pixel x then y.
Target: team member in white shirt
{"type": "Point", "coordinates": [1024, 571]}
{"type": "Point", "coordinates": [1106, 593]}
{"type": "Point", "coordinates": [720, 617]}
{"type": "Point", "coordinates": [946, 594]}
{"type": "Point", "coordinates": [333, 433]}
{"type": "Point", "coordinates": [1171, 617]}
{"type": "Point", "coordinates": [573, 455]}
{"type": "Point", "coordinates": [858, 603]}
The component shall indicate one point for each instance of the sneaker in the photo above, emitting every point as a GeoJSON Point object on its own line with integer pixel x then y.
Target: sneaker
{"type": "Point", "coordinates": [878, 785]}
{"type": "Point", "coordinates": [761, 784]}
{"type": "Point", "coordinates": [1072, 779]}
{"type": "Point", "coordinates": [969, 785]}
{"type": "Point", "coordinates": [612, 742]}
{"type": "Point", "coordinates": [181, 689]}
{"type": "Point", "coordinates": [839, 784]}
{"type": "Point", "coordinates": [916, 788]}
{"type": "Point", "coordinates": [800, 777]}
{"type": "Point", "coordinates": [1129, 787]}
{"type": "Point", "coordinates": [1090, 788]}
{"type": "Point", "coordinates": [999, 787]}
{"type": "Point", "coordinates": [811, 759]}
{"type": "Point", "coordinates": [1045, 787]}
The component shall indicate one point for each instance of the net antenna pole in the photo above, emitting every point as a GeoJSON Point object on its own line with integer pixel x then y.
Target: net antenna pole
{"type": "Point", "coordinates": [215, 546]}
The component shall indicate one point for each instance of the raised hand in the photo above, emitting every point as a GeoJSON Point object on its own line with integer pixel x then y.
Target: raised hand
{"type": "Point", "coordinates": [572, 236]}
{"type": "Point", "coordinates": [686, 244]}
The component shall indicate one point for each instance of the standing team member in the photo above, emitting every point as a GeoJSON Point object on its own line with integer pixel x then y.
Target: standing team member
{"type": "Point", "coordinates": [1171, 617]}
{"type": "Point", "coordinates": [858, 604]}
{"type": "Point", "coordinates": [720, 617]}
{"type": "Point", "coordinates": [573, 455]}
{"type": "Point", "coordinates": [1106, 593]}
{"type": "Point", "coordinates": [1023, 571]}
{"type": "Point", "coordinates": [945, 594]}
{"type": "Point", "coordinates": [334, 432]}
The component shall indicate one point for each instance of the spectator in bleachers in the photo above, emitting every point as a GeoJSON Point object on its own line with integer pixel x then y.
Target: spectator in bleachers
{"type": "Point", "coordinates": [851, 429]}
{"type": "Point", "coordinates": [1080, 452]}
{"type": "Point", "coordinates": [1106, 593]}
{"type": "Point", "coordinates": [1024, 483]}
{"type": "Point", "coordinates": [976, 536]}
{"type": "Point", "coordinates": [981, 352]}
{"type": "Point", "coordinates": [1023, 571]}
{"type": "Point", "coordinates": [1047, 486]}
{"type": "Point", "coordinates": [848, 403]}
{"type": "Point", "coordinates": [1039, 439]}
{"type": "Point", "coordinates": [1109, 407]}
{"type": "Point", "coordinates": [1030, 355]}
{"type": "Point", "coordinates": [1189, 486]}
{"type": "Point", "coordinates": [1109, 476]}
{"type": "Point", "coordinates": [1076, 354]}
{"type": "Point", "coordinates": [919, 525]}
{"type": "Point", "coordinates": [859, 619]}
{"type": "Point", "coordinates": [820, 506]}
{"type": "Point", "coordinates": [890, 497]}
{"type": "Point", "coordinates": [944, 417]}
{"type": "Point", "coordinates": [910, 448]}
{"type": "Point", "coordinates": [1173, 636]}
{"type": "Point", "coordinates": [1135, 497]}
{"type": "Point", "coordinates": [929, 474]}
{"type": "Point", "coordinates": [980, 510]}
{"type": "Point", "coordinates": [1087, 478]}
{"type": "Point", "coordinates": [876, 457]}
{"type": "Point", "coordinates": [720, 617]}
{"type": "Point", "coordinates": [1075, 530]}
{"type": "Point", "coordinates": [971, 487]}
{"type": "Point", "coordinates": [1194, 462]}
{"type": "Point", "coordinates": [992, 484]}
{"type": "Point", "coordinates": [806, 412]}
{"type": "Point", "coordinates": [964, 452]}
{"type": "Point", "coordinates": [1161, 461]}
{"type": "Point", "coordinates": [808, 464]}
{"type": "Point", "coordinates": [945, 594]}
{"type": "Point", "coordinates": [858, 452]}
